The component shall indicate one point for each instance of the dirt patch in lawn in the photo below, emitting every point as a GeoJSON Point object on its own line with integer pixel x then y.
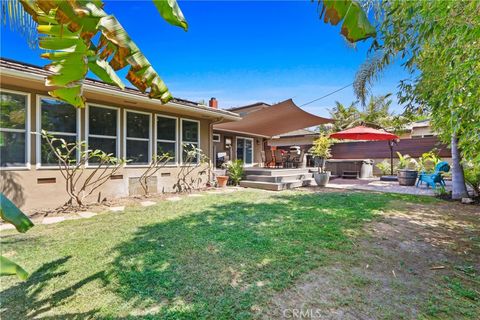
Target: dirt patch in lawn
{"type": "Point", "coordinates": [415, 261]}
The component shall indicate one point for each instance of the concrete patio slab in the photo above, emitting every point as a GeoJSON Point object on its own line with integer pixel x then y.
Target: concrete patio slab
{"type": "Point", "coordinates": [86, 214]}
{"type": "Point", "coordinates": [52, 220]}
{"type": "Point", "coordinates": [382, 186]}
{"type": "Point", "coordinates": [148, 203]}
{"type": "Point", "coordinates": [117, 209]}
{"type": "Point", "coordinates": [6, 226]}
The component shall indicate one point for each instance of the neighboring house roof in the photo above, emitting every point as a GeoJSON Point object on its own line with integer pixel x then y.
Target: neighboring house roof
{"type": "Point", "coordinates": [278, 119]}
{"type": "Point", "coordinates": [9, 66]}
{"type": "Point", "coordinates": [417, 124]}
{"type": "Point", "coordinates": [297, 133]}
{"type": "Point", "coordinates": [249, 106]}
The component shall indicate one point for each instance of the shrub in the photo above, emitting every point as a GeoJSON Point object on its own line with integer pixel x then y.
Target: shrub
{"type": "Point", "coordinates": [321, 149]}
{"type": "Point", "coordinates": [235, 171]}
{"type": "Point", "coordinates": [194, 159]}
{"type": "Point", "coordinates": [158, 162]}
{"type": "Point", "coordinates": [80, 182]}
{"type": "Point", "coordinates": [384, 167]}
{"type": "Point", "coordinates": [472, 176]}
{"type": "Point", "coordinates": [428, 161]}
{"type": "Point", "coordinates": [406, 162]}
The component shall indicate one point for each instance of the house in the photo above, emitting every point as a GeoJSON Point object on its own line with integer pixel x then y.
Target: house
{"type": "Point", "coordinates": [126, 123]}
{"type": "Point", "coordinates": [303, 138]}
{"type": "Point", "coordinates": [245, 146]}
{"type": "Point", "coordinates": [248, 139]}
{"type": "Point", "coordinates": [418, 129]}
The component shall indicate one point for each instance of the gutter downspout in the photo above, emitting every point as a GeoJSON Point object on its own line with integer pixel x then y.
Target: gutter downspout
{"type": "Point", "coordinates": [210, 145]}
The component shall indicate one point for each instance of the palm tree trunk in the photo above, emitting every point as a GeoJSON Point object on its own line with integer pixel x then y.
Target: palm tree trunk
{"type": "Point", "coordinates": [459, 189]}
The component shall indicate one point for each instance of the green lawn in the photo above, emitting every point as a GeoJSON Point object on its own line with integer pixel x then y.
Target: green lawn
{"type": "Point", "coordinates": [217, 256]}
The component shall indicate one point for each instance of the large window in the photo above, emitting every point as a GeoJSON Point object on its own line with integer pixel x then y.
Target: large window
{"type": "Point", "coordinates": [167, 137]}
{"type": "Point", "coordinates": [190, 136]}
{"type": "Point", "coordinates": [103, 129]}
{"type": "Point", "coordinates": [13, 129]}
{"type": "Point", "coordinates": [137, 144]}
{"type": "Point", "coordinates": [59, 119]}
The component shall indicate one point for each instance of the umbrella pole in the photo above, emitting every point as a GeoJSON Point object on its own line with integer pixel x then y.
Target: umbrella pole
{"type": "Point", "coordinates": [390, 144]}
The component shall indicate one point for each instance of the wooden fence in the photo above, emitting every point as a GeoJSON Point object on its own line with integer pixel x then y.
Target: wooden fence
{"type": "Point", "coordinates": [379, 149]}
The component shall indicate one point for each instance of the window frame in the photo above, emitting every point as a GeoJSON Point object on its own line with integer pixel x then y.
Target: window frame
{"type": "Point", "coordinates": [181, 137]}
{"type": "Point", "coordinates": [216, 135]}
{"type": "Point", "coordinates": [27, 164]}
{"type": "Point", "coordinates": [253, 150]}
{"type": "Point", "coordinates": [176, 160]}
{"type": "Point", "coordinates": [125, 112]}
{"type": "Point", "coordinates": [38, 112]}
{"type": "Point", "coordinates": [87, 128]}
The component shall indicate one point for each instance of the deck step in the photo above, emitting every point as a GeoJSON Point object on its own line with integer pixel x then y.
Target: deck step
{"type": "Point", "coordinates": [274, 172]}
{"type": "Point", "coordinates": [350, 175]}
{"type": "Point", "coordinates": [278, 179]}
{"type": "Point", "coordinates": [275, 186]}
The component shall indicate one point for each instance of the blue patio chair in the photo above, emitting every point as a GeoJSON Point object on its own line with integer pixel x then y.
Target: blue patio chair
{"type": "Point", "coordinates": [431, 179]}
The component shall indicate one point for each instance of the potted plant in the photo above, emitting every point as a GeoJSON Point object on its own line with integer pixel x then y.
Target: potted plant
{"type": "Point", "coordinates": [221, 176]}
{"type": "Point", "coordinates": [321, 152]}
{"type": "Point", "coordinates": [407, 170]}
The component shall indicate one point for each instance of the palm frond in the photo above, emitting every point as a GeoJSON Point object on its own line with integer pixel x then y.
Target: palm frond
{"type": "Point", "coordinates": [369, 71]}
{"type": "Point", "coordinates": [20, 21]}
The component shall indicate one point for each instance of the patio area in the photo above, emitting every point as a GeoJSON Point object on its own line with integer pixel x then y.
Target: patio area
{"type": "Point", "coordinates": [375, 184]}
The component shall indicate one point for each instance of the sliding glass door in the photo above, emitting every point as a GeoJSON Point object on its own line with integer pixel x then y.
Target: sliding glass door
{"type": "Point", "coordinates": [245, 150]}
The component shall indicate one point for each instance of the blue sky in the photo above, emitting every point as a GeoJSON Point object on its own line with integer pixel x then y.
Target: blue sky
{"type": "Point", "coordinates": [240, 52]}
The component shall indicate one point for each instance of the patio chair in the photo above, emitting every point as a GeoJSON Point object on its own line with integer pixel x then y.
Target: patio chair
{"type": "Point", "coordinates": [431, 179]}
{"type": "Point", "coordinates": [279, 161]}
{"type": "Point", "coordinates": [268, 162]}
{"type": "Point", "coordinates": [298, 160]}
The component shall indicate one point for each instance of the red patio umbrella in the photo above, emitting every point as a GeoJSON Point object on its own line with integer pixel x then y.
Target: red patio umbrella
{"type": "Point", "coordinates": [367, 133]}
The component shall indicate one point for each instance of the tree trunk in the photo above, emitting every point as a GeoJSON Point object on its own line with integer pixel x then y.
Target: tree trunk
{"type": "Point", "coordinates": [459, 189]}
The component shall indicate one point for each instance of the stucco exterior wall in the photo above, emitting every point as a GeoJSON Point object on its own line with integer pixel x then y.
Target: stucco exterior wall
{"type": "Point", "coordinates": [37, 187]}
{"type": "Point", "coordinates": [221, 147]}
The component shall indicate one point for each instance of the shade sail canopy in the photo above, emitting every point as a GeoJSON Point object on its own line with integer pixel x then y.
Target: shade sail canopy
{"type": "Point", "coordinates": [280, 118]}
{"type": "Point", "coordinates": [363, 133]}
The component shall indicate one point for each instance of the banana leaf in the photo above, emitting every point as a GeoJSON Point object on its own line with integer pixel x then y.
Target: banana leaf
{"type": "Point", "coordinates": [10, 213]}
{"type": "Point", "coordinates": [10, 268]}
{"type": "Point", "coordinates": [170, 11]}
{"type": "Point", "coordinates": [355, 25]}
{"type": "Point", "coordinates": [68, 30]}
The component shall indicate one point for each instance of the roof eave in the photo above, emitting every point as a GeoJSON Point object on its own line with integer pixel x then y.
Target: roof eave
{"type": "Point", "coordinates": [226, 115]}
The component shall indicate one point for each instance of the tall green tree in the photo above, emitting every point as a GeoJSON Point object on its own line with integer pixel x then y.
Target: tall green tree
{"type": "Point", "coordinates": [375, 113]}
{"type": "Point", "coordinates": [438, 43]}
{"type": "Point", "coordinates": [345, 117]}
{"type": "Point", "coordinates": [79, 36]}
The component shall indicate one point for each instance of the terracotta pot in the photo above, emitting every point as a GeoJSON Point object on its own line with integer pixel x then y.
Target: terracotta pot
{"type": "Point", "coordinates": [222, 181]}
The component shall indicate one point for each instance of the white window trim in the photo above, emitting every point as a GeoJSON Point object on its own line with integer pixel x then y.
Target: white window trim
{"type": "Point", "coordinates": [181, 136]}
{"type": "Point", "coordinates": [27, 132]}
{"type": "Point", "coordinates": [39, 132]}
{"type": "Point", "coordinates": [216, 135]}
{"type": "Point", "coordinates": [176, 161]}
{"type": "Point", "coordinates": [125, 111]}
{"type": "Point", "coordinates": [87, 128]}
{"type": "Point", "coordinates": [253, 150]}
